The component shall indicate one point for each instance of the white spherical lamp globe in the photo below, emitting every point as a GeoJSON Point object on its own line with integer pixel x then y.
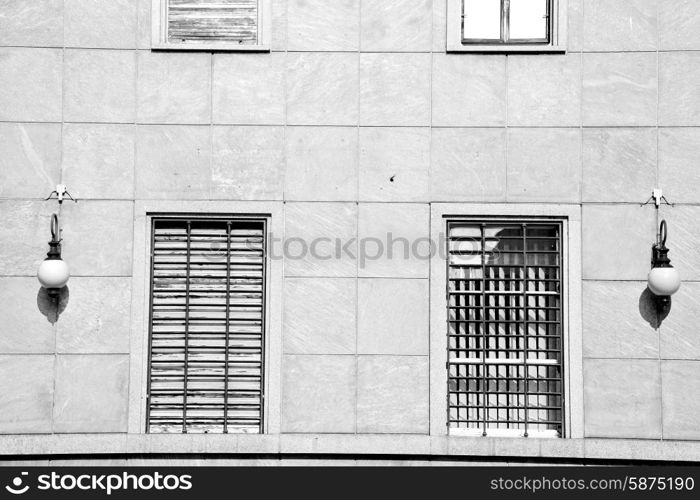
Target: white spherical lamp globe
{"type": "Point", "coordinates": [664, 281]}
{"type": "Point", "coordinates": [53, 273]}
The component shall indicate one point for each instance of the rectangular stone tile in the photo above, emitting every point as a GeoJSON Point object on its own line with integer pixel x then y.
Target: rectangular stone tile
{"type": "Point", "coordinates": [329, 227]}
{"type": "Point", "coordinates": [23, 326]}
{"type": "Point", "coordinates": [679, 330]}
{"type": "Point", "coordinates": [98, 160]}
{"type": "Point", "coordinates": [439, 25]}
{"type": "Point", "coordinates": [385, 98]}
{"type": "Point", "coordinates": [575, 26]}
{"type": "Point", "coordinates": [393, 316]}
{"type": "Point", "coordinates": [469, 90]}
{"type": "Point", "coordinates": [143, 25]}
{"type": "Point", "coordinates": [173, 162]}
{"type": "Point", "coordinates": [98, 317]}
{"type": "Point", "coordinates": [544, 91]}
{"type": "Point", "coordinates": [24, 234]}
{"type": "Point", "coordinates": [26, 397]}
{"type": "Point", "coordinates": [544, 165]}
{"type": "Point", "coordinates": [322, 89]}
{"type": "Point", "coordinates": [319, 25]}
{"type": "Point", "coordinates": [319, 315]}
{"type": "Point", "coordinates": [679, 95]}
{"type": "Point", "coordinates": [30, 84]}
{"type": "Point", "coordinates": [279, 25]}
{"type": "Point", "coordinates": [248, 163]}
{"type": "Point", "coordinates": [97, 237]}
{"type": "Point", "coordinates": [397, 25]}
{"type": "Point", "coordinates": [250, 89]}
{"type": "Point", "coordinates": [617, 25]}
{"type": "Point", "coordinates": [30, 159]}
{"type": "Point", "coordinates": [392, 394]}
{"type": "Point", "coordinates": [99, 86]}
{"type": "Point", "coordinates": [679, 22]}
{"type": "Point", "coordinates": [618, 164]}
{"type": "Point", "coordinates": [468, 165]}
{"type": "Point", "coordinates": [322, 164]}
{"type": "Point", "coordinates": [620, 89]}
{"type": "Point", "coordinates": [622, 398]}
{"type": "Point", "coordinates": [174, 87]}
{"type": "Point", "coordinates": [101, 23]}
{"type": "Point", "coordinates": [680, 379]}
{"type": "Point", "coordinates": [318, 394]}
{"type": "Point", "coordinates": [394, 164]}
{"type": "Point", "coordinates": [91, 393]}
{"type": "Point", "coordinates": [684, 239]}
{"type": "Point", "coordinates": [616, 321]}
{"type": "Point", "coordinates": [394, 240]}
{"type": "Point", "coordinates": [617, 241]}
{"type": "Point", "coordinates": [39, 23]}
{"type": "Point", "coordinates": [679, 149]}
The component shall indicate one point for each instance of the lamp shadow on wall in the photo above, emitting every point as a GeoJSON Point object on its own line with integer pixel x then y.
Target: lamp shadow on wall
{"type": "Point", "coordinates": [52, 307]}
{"type": "Point", "coordinates": [649, 311]}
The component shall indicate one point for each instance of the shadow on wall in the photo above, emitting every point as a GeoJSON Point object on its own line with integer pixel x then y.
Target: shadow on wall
{"type": "Point", "coordinates": [52, 307]}
{"type": "Point", "coordinates": [648, 309]}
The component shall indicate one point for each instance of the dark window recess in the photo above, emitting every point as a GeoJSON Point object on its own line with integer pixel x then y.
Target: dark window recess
{"type": "Point", "coordinates": [207, 341]}
{"type": "Point", "coordinates": [505, 334]}
{"type": "Point", "coordinates": [233, 21]}
{"type": "Point", "coordinates": [506, 21]}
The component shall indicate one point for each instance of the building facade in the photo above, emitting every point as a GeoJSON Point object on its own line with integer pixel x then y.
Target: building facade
{"type": "Point", "coordinates": [376, 204]}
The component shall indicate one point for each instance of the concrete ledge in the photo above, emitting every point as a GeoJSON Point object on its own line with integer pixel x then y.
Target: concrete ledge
{"type": "Point", "coordinates": [349, 445]}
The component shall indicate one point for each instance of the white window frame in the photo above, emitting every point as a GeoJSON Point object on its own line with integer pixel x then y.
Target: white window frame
{"type": "Point", "coordinates": [557, 38]}
{"type": "Point", "coordinates": [570, 216]}
{"type": "Point", "coordinates": [144, 213]}
{"type": "Point", "coordinates": [159, 32]}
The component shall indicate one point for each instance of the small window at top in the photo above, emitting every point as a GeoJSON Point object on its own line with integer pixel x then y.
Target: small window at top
{"type": "Point", "coordinates": [506, 25]}
{"type": "Point", "coordinates": [242, 25]}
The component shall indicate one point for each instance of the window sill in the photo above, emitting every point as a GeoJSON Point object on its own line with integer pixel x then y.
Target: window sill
{"type": "Point", "coordinates": [209, 47]}
{"type": "Point", "coordinates": [506, 49]}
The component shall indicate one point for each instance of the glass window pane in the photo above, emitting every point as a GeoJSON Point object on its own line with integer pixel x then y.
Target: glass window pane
{"type": "Point", "coordinates": [528, 19]}
{"type": "Point", "coordinates": [482, 19]}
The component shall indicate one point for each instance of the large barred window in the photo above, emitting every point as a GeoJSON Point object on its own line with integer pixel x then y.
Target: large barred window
{"type": "Point", "coordinates": [207, 325]}
{"type": "Point", "coordinates": [505, 338]}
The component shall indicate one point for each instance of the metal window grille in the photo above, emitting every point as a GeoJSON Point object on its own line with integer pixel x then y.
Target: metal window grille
{"type": "Point", "coordinates": [235, 21]}
{"type": "Point", "coordinates": [207, 325]}
{"type": "Point", "coordinates": [505, 338]}
{"type": "Point", "coordinates": [505, 36]}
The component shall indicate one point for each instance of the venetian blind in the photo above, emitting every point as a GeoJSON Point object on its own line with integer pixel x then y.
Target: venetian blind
{"type": "Point", "coordinates": [232, 21]}
{"type": "Point", "coordinates": [207, 326]}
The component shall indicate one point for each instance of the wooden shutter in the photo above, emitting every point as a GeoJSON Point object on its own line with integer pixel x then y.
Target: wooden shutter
{"type": "Point", "coordinates": [230, 21]}
{"type": "Point", "coordinates": [206, 371]}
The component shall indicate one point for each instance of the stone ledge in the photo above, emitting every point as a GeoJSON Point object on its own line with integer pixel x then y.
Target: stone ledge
{"type": "Point", "coordinates": [348, 444]}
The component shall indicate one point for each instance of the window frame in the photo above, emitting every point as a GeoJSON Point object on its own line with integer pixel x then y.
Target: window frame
{"type": "Point", "coordinates": [570, 218]}
{"type": "Point", "coordinates": [159, 32]}
{"type": "Point", "coordinates": [144, 213]}
{"type": "Point", "coordinates": [556, 42]}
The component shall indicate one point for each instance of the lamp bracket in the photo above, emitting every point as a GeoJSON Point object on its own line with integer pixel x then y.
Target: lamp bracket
{"type": "Point", "coordinates": [657, 196]}
{"type": "Point", "coordinates": [60, 193]}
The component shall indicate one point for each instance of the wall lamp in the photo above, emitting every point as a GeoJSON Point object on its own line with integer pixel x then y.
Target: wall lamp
{"type": "Point", "coordinates": [53, 272]}
{"type": "Point", "coordinates": [664, 280]}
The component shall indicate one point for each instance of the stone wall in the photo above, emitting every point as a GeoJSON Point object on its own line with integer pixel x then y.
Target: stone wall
{"type": "Point", "coordinates": [358, 120]}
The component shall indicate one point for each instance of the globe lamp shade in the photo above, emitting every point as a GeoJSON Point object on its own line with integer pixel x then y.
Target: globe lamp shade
{"type": "Point", "coordinates": [53, 274]}
{"type": "Point", "coordinates": [664, 281]}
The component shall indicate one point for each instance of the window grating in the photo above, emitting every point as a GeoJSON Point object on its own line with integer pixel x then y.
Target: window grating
{"type": "Point", "coordinates": [207, 324]}
{"type": "Point", "coordinates": [505, 339]}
